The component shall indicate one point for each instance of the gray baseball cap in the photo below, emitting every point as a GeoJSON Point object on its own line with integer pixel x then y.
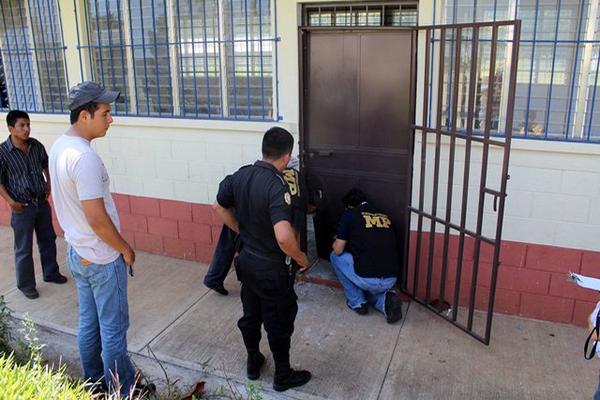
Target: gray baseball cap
{"type": "Point", "coordinates": [87, 91]}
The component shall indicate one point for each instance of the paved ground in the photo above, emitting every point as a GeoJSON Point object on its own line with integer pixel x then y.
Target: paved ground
{"type": "Point", "coordinates": [193, 332]}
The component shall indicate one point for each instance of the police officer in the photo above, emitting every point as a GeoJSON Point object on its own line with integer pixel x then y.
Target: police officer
{"type": "Point", "coordinates": [263, 216]}
{"type": "Point", "coordinates": [229, 241]}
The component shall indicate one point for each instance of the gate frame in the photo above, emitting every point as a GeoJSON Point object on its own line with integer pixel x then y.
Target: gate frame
{"type": "Point", "coordinates": [452, 133]}
{"type": "Point", "coordinates": [486, 140]}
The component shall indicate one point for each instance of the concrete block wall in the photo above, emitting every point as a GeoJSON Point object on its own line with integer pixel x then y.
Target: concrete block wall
{"type": "Point", "coordinates": [164, 175]}
{"type": "Point", "coordinates": [532, 279]}
{"type": "Point", "coordinates": [553, 194]}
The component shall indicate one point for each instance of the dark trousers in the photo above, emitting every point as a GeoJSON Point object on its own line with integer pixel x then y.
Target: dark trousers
{"type": "Point", "coordinates": [268, 298]}
{"type": "Point", "coordinates": [221, 262]}
{"type": "Point", "coordinates": [38, 218]}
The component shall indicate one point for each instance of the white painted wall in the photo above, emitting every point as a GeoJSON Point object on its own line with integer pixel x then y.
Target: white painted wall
{"type": "Point", "coordinates": [167, 158]}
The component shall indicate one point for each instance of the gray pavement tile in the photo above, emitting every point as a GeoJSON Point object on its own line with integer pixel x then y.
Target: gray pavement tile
{"type": "Point", "coordinates": [56, 307]}
{"type": "Point", "coordinates": [322, 269]}
{"type": "Point", "coordinates": [8, 281]}
{"type": "Point", "coordinates": [7, 266]}
{"type": "Point", "coordinates": [526, 359]}
{"type": "Point", "coordinates": [340, 348]}
{"type": "Point", "coordinates": [207, 334]}
{"type": "Point", "coordinates": [161, 290]}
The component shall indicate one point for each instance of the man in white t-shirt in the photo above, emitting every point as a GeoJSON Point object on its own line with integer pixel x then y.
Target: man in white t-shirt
{"type": "Point", "coordinates": [97, 254]}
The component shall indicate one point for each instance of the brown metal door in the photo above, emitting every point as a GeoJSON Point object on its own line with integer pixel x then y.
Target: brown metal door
{"type": "Point", "coordinates": [356, 120]}
{"type": "Point", "coordinates": [461, 151]}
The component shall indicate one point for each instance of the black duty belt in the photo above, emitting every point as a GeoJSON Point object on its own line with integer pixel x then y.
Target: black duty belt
{"type": "Point", "coordinates": [263, 256]}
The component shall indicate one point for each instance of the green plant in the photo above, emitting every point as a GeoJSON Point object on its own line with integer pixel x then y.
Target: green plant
{"type": "Point", "coordinates": [5, 336]}
{"type": "Point", "coordinates": [30, 346]}
{"type": "Point", "coordinates": [35, 381]}
{"type": "Point", "coordinates": [254, 391]}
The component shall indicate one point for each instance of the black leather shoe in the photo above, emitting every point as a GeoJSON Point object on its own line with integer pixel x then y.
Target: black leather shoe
{"type": "Point", "coordinates": [254, 365]}
{"type": "Point", "coordinates": [290, 380]}
{"type": "Point", "coordinates": [220, 289]}
{"type": "Point", "coordinates": [393, 307]}
{"type": "Point", "coordinates": [60, 279]}
{"type": "Point", "coordinates": [363, 309]}
{"type": "Point", "coordinates": [31, 294]}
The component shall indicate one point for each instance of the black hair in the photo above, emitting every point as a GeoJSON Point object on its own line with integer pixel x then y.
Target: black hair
{"type": "Point", "coordinates": [354, 198]}
{"type": "Point", "coordinates": [276, 143]}
{"type": "Point", "coordinates": [90, 107]}
{"type": "Point", "coordinates": [14, 115]}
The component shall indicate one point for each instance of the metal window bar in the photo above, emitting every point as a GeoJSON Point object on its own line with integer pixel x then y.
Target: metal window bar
{"type": "Point", "coordinates": [359, 14]}
{"type": "Point", "coordinates": [33, 54]}
{"type": "Point", "coordinates": [232, 69]}
{"type": "Point", "coordinates": [559, 39]}
{"type": "Point", "coordinates": [535, 24]}
{"type": "Point", "coordinates": [110, 43]}
{"type": "Point", "coordinates": [549, 101]}
{"type": "Point", "coordinates": [54, 57]}
{"type": "Point", "coordinates": [194, 60]}
{"type": "Point", "coordinates": [10, 64]}
{"type": "Point", "coordinates": [92, 75]}
{"type": "Point", "coordinates": [206, 65]}
{"type": "Point", "coordinates": [40, 64]}
{"type": "Point", "coordinates": [589, 130]}
{"type": "Point", "coordinates": [275, 83]}
{"type": "Point", "coordinates": [229, 61]}
{"type": "Point", "coordinates": [124, 79]}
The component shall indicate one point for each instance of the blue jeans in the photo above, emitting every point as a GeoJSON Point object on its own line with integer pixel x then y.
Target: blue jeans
{"type": "Point", "coordinates": [359, 290]}
{"type": "Point", "coordinates": [103, 321]}
{"type": "Point", "coordinates": [38, 218]}
{"type": "Point", "coordinates": [222, 259]}
{"type": "Point", "coordinates": [597, 394]}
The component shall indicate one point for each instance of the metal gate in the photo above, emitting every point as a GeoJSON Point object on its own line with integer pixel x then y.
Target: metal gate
{"type": "Point", "coordinates": [461, 145]}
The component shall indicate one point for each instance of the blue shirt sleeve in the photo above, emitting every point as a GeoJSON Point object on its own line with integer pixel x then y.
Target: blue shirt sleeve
{"type": "Point", "coordinates": [343, 231]}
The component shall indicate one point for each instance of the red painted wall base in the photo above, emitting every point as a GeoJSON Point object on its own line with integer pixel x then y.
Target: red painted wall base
{"type": "Point", "coordinates": [531, 280]}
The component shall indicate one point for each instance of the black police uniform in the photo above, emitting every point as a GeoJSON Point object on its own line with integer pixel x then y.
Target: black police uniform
{"type": "Point", "coordinates": [261, 198]}
{"type": "Point", "coordinates": [298, 192]}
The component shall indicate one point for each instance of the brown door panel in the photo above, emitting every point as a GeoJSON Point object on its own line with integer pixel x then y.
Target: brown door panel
{"type": "Point", "coordinates": [356, 121]}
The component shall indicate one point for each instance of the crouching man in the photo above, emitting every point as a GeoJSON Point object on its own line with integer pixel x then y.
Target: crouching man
{"type": "Point", "coordinates": [365, 259]}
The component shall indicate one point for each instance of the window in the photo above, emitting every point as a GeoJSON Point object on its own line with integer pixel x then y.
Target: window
{"type": "Point", "coordinates": [370, 14]}
{"type": "Point", "coordinates": [558, 64]}
{"type": "Point", "coordinates": [183, 58]}
{"type": "Point", "coordinates": [33, 76]}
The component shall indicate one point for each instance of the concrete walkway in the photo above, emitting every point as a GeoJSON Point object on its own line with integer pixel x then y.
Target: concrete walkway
{"type": "Point", "coordinates": [193, 332]}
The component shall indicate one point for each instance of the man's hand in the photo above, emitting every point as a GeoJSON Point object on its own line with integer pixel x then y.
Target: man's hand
{"type": "Point", "coordinates": [48, 189]}
{"type": "Point", "coordinates": [128, 255]}
{"type": "Point", "coordinates": [303, 263]}
{"type": "Point", "coordinates": [17, 207]}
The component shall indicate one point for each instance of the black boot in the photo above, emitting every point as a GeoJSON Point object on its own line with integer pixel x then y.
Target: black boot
{"type": "Point", "coordinates": [254, 364]}
{"type": "Point", "coordinates": [393, 307]}
{"type": "Point", "coordinates": [290, 379]}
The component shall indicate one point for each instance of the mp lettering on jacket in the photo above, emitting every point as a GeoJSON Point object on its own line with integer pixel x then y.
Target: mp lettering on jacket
{"type": "Point", "coordinates": [376, 220]}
